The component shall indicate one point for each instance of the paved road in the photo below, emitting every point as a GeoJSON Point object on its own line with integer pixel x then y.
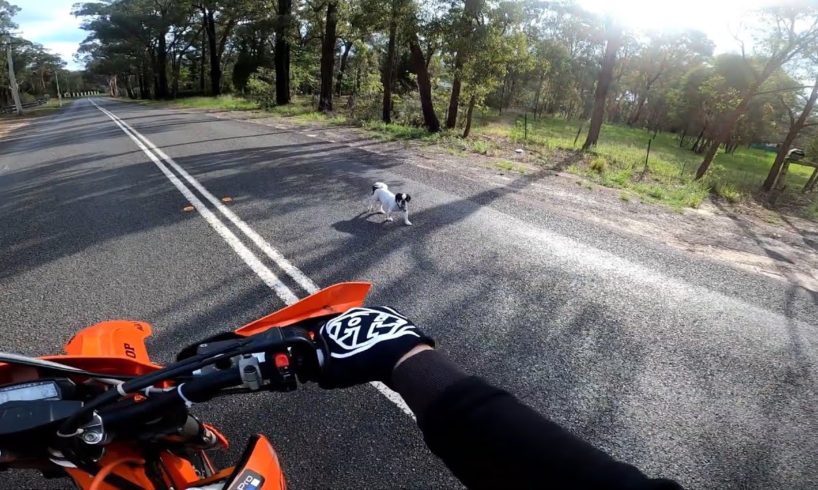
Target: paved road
{"type": "Point", "coordinates": [686, 368]}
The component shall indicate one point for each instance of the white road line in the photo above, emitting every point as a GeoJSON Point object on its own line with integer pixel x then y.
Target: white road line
{"type": "Point", "coordinates": [281, 289]}
{"type": "Point", "coordinates": [241, 250]}
{"type": "Point", "coordinates": [276, 256]}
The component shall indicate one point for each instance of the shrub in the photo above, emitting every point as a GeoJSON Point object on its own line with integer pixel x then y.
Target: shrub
{"type": "Point", "coordinates": [261, 89]}
{"type": "Point", "coordinates": [599, 164]}
{"type": "Point", "coordinates": [727, 191]}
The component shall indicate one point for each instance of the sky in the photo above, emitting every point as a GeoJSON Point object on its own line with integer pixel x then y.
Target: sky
{"type": "Point", "coordinates": [50, 23]}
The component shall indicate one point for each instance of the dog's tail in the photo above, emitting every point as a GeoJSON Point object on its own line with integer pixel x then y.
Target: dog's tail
{"type": "Point", "coordinates": [379, 185]}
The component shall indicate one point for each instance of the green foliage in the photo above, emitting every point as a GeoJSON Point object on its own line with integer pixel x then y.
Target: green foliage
{"type": "Point", "coordinates": [599, 164]}
{"type": "Point", "coordinates": [261, 88]}
{"type": "Point", "coordinates": [727, 191]}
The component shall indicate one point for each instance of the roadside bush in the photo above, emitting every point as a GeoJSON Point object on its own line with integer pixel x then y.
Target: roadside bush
{"type": "Point", "coordinates": [599, 164]}
{"type": "Point", "coordinates": [261, 89]}
{"type": "Point", "coordinates": [727, 191]}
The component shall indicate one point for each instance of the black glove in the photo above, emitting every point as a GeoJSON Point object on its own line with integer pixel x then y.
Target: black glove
{"type": "Point", "coordinates": [365, 344]}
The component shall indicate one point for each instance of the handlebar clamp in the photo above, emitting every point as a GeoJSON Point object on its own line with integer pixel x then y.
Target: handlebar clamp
{"type": "Point", "coordinates": [250, 372]}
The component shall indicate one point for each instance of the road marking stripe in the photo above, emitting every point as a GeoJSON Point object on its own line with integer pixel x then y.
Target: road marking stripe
{"type": "Point", "coordinates": [276, 256]}
{"type": "Point", "coordinates": [280, 288]}
{"type": "Point", "coordinates": [266, 275]}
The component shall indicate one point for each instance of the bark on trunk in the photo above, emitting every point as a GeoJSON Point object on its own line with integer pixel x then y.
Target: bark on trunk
{"type": "Point", "coordinates": [143, 89]}
{"type": "Point", "coordinates": [638, 112]}
{"type": "Point", "coordinates": [469, 113]}
{"type": "Point", "coordinates": [795, 128]}
{"type": "Point", "coordinates": [328, 58]}
{"type": "Point", "coordinates": [602, 86]}
{"type": "Point", "coordinates": [698, 142]}
{"type": "Point", "coordinates": [389, 69]}
{"type": "Point", "coordinates": [162, 68]}
{"type": "Point", "coordinates": [454, 100]}
{"type": "Point", "coordinates": [424, 86]}
{"type": "Point", "coordinates": [282, 52]}
{"type": "Point", "coordinates": [202, 57]}
{"type": "Point", "coordinates": [215, 61]}
{"type": "Point", "coordinates": [343, 67]}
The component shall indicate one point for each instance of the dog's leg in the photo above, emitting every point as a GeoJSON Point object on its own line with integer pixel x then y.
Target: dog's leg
{"type": "Point", "coordinates": [406, 218]}
{"type": "Point", "coordinates": [381, 211]}
{"type": "Point", "coordinates": [389, 215]}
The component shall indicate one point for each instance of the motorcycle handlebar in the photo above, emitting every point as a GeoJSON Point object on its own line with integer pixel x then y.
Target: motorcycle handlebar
{"type": "Point", "coordinates": [289, 353]}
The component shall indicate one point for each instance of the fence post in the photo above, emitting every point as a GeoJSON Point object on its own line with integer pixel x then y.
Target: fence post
{"type": "Point", "coordinates": [525, 126]}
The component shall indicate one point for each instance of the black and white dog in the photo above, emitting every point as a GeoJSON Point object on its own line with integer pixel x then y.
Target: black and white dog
{"type": "Point", "coordinates": [389, 202]}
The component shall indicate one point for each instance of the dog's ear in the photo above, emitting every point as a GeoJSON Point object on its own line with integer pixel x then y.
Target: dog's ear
{"type": "Point", "coordinates": [399, 197]}
{"type": "Point", "coordinates": [408, 197]}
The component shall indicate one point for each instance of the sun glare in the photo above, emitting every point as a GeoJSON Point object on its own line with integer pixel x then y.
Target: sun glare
{"type": "Point", "coordinates": [720, 21]}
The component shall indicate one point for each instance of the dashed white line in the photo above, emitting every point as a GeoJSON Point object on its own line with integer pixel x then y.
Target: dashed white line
{"type": "Point", "coordinates": [249, 258]}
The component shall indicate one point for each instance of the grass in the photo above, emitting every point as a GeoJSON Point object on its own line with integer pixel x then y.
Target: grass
{"type": "Point", "coordinates": [619, 159]}
{"type": "Point", "coordinates": [221, 103]}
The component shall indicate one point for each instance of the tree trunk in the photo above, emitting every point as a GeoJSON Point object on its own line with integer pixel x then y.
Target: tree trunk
{"type": "Point", "coordinates": [177, 67]}
{"type": "Point", "coordinates": [698, 142]}
{"type": "Point", "coordinates": [282, 52]}
{"type": "Point", "coordinates": [215, 61]}
{"type": "Point", "coordinates": [142, 87]}
{"type": "Point", "coordinates": [328, 57]}
{"type": "Point", "coordinates": [795, 128]}
{"type": "Point", "coordinates": [162, 68]}
{"type": "Point", "coordinates": [343, 67]}
{"type": "Point", "coordinates": [129, 87]}
{"type": "Point", "coordinates": [538, 95]}
{"type": "Point", "coordinates": [469, 112]}
{"type": "Point", "coordinates": [602, 86]}
{"type": "Point", "coordinates": [725, 128]}
{"type": "Point", "coordinates": [722, 134]}
{"type": "Point", "coordinates": [202, 58]}
{"type": "Point", "coordinates": [389, 68]}
{"type": "Point", "coordinates": [638, 112]}
{"type": "Point", "coordinates": [454, 100]}
{"type": "Point", "coordinates": [424, 86]}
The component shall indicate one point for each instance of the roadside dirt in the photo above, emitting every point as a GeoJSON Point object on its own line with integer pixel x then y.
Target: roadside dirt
{"type": "Point", "coordinates": [9, 125]}
{"type": "Point", "coordinates": [747, 236]}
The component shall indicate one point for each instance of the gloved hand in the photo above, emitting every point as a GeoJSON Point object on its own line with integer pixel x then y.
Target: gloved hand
{"type": "Point", "coordinates": [365, 344]}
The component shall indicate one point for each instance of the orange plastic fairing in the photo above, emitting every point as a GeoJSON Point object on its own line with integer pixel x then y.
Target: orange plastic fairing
{"type": "Point", "coordinates": [115, 347]}
{"type": "Point", "coordinates": [179, 470]}
{"type": "Point", "coordinates": [115, 338]}
{"type": "Point", "coordinates": [333, 300]}
{"type": "Point", "coordinates": [260, 470]}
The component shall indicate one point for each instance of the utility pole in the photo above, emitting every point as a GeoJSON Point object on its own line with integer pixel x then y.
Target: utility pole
{"type": "Point", "coordinates": [13, 82]}
{"type": "Point", "coordinates": [59, 94]}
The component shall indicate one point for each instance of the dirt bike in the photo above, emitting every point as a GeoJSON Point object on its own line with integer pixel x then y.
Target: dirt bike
{"type": "Point", "coordinates": [106, 417]}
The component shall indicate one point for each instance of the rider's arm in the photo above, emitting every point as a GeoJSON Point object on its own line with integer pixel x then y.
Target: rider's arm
{"type": "Point", "coordinates": [489, 439]}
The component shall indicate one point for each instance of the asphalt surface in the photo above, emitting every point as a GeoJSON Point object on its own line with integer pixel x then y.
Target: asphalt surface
{"type": "Point", "coordinates": [686, 368]}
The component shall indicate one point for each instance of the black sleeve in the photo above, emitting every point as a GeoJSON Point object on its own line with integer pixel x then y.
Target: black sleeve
{"type": "Point", "coordinates": [489, 439]}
